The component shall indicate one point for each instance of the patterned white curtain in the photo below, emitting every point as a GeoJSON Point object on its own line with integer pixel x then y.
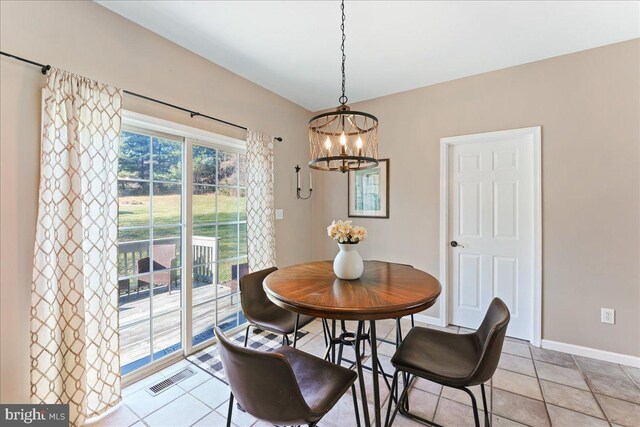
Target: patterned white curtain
{"type": "Point", "coordinates": [261, 227]}
{"type": "Point", "coordinates": [74, 305]}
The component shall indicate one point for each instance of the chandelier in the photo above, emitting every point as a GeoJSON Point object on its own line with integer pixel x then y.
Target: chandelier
{"type": "Point", "coordinates": [343, 140]}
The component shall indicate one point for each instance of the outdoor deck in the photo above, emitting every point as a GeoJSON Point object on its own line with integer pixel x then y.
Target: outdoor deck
{"type": "Point", "coordinates": [134, 315]}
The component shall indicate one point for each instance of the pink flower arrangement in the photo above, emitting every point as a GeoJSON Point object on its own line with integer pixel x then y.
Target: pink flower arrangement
{"type": "Point", "coordinates": [344, 232]}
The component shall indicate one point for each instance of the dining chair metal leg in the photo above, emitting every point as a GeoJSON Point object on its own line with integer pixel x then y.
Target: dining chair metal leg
{"type": "Point", "coordinates": [384, 374]}
{"type": "Point", "coordinates": [333, 334]}
{"type": "Point", "coordinates": [340, 350]}
{"type": "Point", "coordinates": [379, 364]}
{"type": "Point", "coordinates": [374, 366]}
{"type": "Point", "coordinates": [324, 332]}
{"type": "Point", "coordinates": [230, 411]}
{"type": "Point", "coordinates": [389, 421]}
{"type": "Point", "coordinates": [343, 333]}
{"type": "Point", "coordinates": [246, 335]}
{"type": "Point", "coordinates": [398, 332]}
{"type": "Point", "coordinates": [405, 379]}
{"type": "Point", "coordinates": [363, 390]}
{"type": "Point", "coordinates": [413, 322]}
{"type": "Point", "coordinates": [404, 405]}
{"type": "Point", "coordinates": [355, 404]}
{"type": "Point", "coordinates": [295, 331]}
{"type": "Point", "coordinates": [329, 342]}
{"type": "Point", "coordinates": [400, 406]}
{"type": "Point", "coordinates": [484, 404]}
{"type": "Point", "coordinates": [329, 353]}
{"type": "Point", "coordinates": [474, 405]}
{"type": "Point", "coordinates": [392, 396]}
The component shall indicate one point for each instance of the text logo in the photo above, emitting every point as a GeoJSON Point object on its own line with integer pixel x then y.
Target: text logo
{"type": "Point", "coordinates": [34, 415]}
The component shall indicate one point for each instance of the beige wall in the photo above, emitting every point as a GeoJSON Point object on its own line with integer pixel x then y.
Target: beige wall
{"type": "Point", "coordinates": [87, 39]}
{"type": "Point", "coordinates": [588, 105]}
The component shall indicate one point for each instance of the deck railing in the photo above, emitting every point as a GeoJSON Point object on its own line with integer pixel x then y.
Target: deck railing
{"type": "Point", "coordinates": [129, 253]}
{"type": "Point", "coordinates": [204, 255]}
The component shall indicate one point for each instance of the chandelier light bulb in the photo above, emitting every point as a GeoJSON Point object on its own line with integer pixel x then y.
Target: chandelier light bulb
{"type": "Point", "coordinates": [343, 139]}
{"type": "Point", "coordinates": [359, 143]}
{"type": "Point", "coordinates": [327, 145]}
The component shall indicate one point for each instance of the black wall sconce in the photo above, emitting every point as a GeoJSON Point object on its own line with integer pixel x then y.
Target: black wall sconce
{"type": "Point", "coordinates": [298, 189]}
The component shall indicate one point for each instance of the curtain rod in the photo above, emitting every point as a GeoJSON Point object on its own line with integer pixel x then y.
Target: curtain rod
{"type": "Point", "coordinates": [46, 67]}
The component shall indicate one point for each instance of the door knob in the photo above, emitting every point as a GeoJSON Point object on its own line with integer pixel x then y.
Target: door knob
{"type": "Point", "coordinates": [455, 244]}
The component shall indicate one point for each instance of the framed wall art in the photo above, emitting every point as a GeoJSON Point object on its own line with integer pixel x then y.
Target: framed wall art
{"type": "Point", "coordinates": [368, 193]}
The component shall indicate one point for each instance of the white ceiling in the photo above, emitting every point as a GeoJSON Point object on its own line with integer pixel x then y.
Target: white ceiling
{"type": "Point", "coordinates": [293, 48]}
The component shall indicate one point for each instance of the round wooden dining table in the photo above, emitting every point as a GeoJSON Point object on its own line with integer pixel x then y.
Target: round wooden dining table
{"type": "Point", "coordinates": [384, 291]}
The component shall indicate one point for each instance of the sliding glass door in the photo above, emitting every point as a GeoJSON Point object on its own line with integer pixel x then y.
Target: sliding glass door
{"type": "Point", "coordinates": [150, 228]}
{"type": "Point", "coordinates": [218, 239]}
{"type": "Point", "coordinates": [154, 197]}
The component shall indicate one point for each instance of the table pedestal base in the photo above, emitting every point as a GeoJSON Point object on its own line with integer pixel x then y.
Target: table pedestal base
{"type": "Point", "coordinates": [356, 341]}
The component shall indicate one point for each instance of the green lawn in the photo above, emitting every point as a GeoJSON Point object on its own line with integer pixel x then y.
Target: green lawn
{"type": "Point", "coordinates": [134, 211]}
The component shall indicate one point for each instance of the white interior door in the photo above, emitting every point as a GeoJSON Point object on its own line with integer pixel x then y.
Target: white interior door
{"type": "Point", "coordinates": [491, 228]}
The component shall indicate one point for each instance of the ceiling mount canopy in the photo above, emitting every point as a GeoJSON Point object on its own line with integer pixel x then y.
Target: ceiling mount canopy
{"type": "Point", "coordinates": [343, 140]}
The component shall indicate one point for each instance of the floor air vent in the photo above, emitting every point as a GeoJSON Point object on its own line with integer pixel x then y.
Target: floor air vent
{"type": "Point", "coordinates": [174, 379]}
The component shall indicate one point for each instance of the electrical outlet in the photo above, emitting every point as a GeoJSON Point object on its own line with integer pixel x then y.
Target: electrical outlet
{"type": "Point", "coordinates": [608, 315]}
{"type": "Point", "coordinates": [279, 213]}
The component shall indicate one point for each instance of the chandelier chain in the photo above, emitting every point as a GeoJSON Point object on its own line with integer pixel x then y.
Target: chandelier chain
{"type": "Point", "coordinates": [343, 140]}
{"type": "Point", "coordinates": [343, 99]}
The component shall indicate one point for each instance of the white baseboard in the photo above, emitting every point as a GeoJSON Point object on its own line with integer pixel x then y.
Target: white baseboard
{"type": "Point", "coordinates": [430, 320]}
{"type": "Point", "coordinates": [607, 356]}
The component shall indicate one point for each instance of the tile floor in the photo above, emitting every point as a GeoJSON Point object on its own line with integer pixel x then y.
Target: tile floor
{"type": "Point", "coordinates": [532, 386]}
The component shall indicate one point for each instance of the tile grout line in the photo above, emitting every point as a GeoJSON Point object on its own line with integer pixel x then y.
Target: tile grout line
{"type": "Point", "coordinates": [594, 393]}
{"type": "Point", "coordinates": [570, 386]}
{"type": "Point", "coordinates": [202, 418]}
{"type": "Point", "coordinates": [223, 414]}
{"type": "Point", "coordinates": [544, 401]}
{"type": "Point", "coordinates": [516, 372]}
{"type": "Point", "coordinates": [606, 417]}
{"type": "Point", "coordinates": [578, 412]}
{"type": "Point", "coordinates": [163, 406]}
{"type": "Point", "coordinates": [549, 381]}
{"type": "Point", "coordinates": [507, 391]}
{"type": "Point", "coordinates": [202, 401]}
{"type": "Point", "coordinates": [555, 382]}
{"type": "Point", "coordinates": [435, 410]}
{"type": "Point", "coordinates": [137, 416]}
{"type": "Point", "coordinates": [637, 384]}
{"type": "Point", "coordinates": [529, 397]}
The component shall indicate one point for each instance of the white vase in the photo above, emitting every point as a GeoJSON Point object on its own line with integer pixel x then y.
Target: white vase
{"type": "Point", "coordinates": [348, 263]}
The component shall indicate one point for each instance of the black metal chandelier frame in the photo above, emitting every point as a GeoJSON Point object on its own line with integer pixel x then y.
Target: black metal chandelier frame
{"type": "Point", "coordinates": [340, 127]}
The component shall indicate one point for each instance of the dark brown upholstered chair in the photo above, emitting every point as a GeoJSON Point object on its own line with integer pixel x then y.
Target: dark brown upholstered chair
{"type": "Point", "coordinates": [453, 360]}
{"type": "Point", "coordinates": [263, 314]}
{"type": "Point", "coordinates": [284, 387]}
